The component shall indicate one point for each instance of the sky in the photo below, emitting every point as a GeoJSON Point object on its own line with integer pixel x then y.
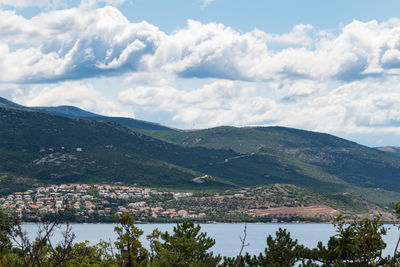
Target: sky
{"type": "Point", "coordinates": [326, 66]}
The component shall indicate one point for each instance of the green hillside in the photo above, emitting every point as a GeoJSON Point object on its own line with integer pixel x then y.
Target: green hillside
{"type": "Point", "coordinates": [44, 148]}
{"type": "Point", "coordinates": [58, 149]}
{"type": "Point", "coordinates": [47, 147]}
{"type": "Point", "coordinates": [340, 164]}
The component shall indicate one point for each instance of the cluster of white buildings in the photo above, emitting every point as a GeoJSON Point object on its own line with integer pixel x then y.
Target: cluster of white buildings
{"type": "Point", "coordinates": [87, 200]}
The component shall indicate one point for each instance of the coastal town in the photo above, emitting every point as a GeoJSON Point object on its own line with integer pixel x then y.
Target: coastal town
{"type": "Point", "coordinates": [88, 201]}
{"type": "Point", "coordinates": [99, 202]}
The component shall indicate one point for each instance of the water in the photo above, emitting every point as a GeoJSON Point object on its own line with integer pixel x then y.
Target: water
{"type": "Point", "coordinates": [227, 236]}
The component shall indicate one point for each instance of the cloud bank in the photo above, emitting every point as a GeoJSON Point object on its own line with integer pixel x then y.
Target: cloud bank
{"type": "Point", "coordinates": [79, 43]}
{"type": "Point", "coordinates": [344, 81]}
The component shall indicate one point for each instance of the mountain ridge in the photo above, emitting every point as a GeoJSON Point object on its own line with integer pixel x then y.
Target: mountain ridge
{"type": "Point", "coordinates": [49, 148]}
{"type": "Point", "coordinates": [75, 112]}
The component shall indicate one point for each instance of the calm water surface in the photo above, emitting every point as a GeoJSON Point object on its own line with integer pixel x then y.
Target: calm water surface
{"type": "Point", "coordinates": [227, 236]}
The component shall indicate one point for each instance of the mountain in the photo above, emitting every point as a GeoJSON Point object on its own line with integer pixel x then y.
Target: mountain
{"type": "Point", "coordinates": [66, 144]}
{"type": "Point", "coordinates": [74, 112]}
{"type": "Point", "coordinates": [56, 149]}
{"type": "Point", "coordinates": [343, 164]}
{"type": "Point", "coordinates": [8, 104]}
{"type": "Point", "coordinates": [349, 161]}
{"type": "Point", "coordinates": [69, 111]}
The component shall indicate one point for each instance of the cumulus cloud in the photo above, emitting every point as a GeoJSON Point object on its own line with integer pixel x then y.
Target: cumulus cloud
{"type": "Point", "coordinates": [214, 50]}
{"type": "Point", "coordinates": [315, 79]}
{"type": "Point", "coordinates": [72, 44]}
{"type": "Point", "coordinates": [79, 43]}
{"type": "Point", "coordinates": [367, 106]}
{"type": "Point", "coordinates": [300, 34]}
{"type": "Point", "coordinates": [25, 3]}
{"type": "Point", "coordinates": [220, 102]}
{"type": "Point", "coordinates": [92, 3]}
{"type": "Point", "coordinates": [80, 94]}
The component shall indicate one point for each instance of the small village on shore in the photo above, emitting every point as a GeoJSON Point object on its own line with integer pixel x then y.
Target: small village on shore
{"type": "Point", "coordinates": [99, 202]}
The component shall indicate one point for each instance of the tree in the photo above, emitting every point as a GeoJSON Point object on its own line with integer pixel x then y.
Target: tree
{"type": "Point", "coordinates": [131, 251]}
{"type": "Point", "coordinates": [5, 232]}
{"type": "Point", "coordinates": [39, 252]}
{"type": "Point", "coordinates": [280, 251]}
{"type": "Point", "coordinates": [396, 256]}
{"type": "Point", "coordinates": [185, 247]}
{"type": "Point", "coordinates": [357, 243]}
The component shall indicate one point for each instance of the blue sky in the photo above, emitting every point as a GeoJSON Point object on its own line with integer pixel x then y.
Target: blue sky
{"type": "Point", "coordinates": [328, 66]}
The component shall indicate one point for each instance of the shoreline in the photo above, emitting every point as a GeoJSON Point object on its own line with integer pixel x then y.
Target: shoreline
{"type": "Point", "coordinates": [174, 223]}
{"type": "Point", "coordinates": [250, 223]}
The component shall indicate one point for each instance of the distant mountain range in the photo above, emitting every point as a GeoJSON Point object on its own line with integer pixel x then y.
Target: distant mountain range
{"type": "Point", "coordinates": [46, 145]}
{"type": "Point", "coordinates": [74, 112]}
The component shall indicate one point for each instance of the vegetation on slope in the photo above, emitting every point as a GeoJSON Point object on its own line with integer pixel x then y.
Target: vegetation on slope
{"type": "Point", "coordinates": [55, 149]}
{"type": "Point", "coordinates": [58, 149]}
{"type": "Point", "coordinates": [329, 162]}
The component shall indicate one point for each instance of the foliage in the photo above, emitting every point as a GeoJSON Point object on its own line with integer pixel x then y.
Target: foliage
{"type": "Point", "coordinates": [41, 251]}
{"type": "Point", "coordinates": [280, 251]}
{"type": "Point", "coordinates": [357, 243]}
{"type": "Point", "coordinates": [185, 247]}
{"type": "Point", "coordinates": [5, 231]}
{"type": "Point", "coordinates": [131, 251]}
{"type": "Point", "coordinates": [334, 164]}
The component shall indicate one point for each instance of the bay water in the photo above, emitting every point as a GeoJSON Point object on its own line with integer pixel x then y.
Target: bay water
{"type": "Point", "coordinates": [227, 235]}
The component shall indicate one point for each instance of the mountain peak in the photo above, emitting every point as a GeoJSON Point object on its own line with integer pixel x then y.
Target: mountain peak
{"type": "Point", "coordinates": [70, 111]}
{"type": "Point", "coordinates": [9, 104]}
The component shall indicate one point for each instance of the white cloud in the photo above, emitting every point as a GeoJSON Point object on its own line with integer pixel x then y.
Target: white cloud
{"type": "Point", "coordinates": [78, 43]}
{"type": "Point", "coordinates": [319, 80]}
{"type": "Point", "coordinates": [214, 50]}
{"type": "Point", "coordinates": [368, 106]}
{"type": "Point", "coordinates": [214, 104]}
{"type": "Point", "coordinates": [24, 3]}
{"type": "Point", "coordinates": [72, 44]}
{"type": "Point", "coordinates": [210, 50]}
{"type": "Point", "coordinates": [85, 4]}
{"type": "Point", "coordinates": [300, 34]}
